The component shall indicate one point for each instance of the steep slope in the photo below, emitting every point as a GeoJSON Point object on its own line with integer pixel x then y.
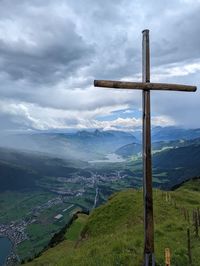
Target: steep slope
{"type": "Point", "coordinates": [173, 162]}
{"type": "Point", "coordinates": [66, 247]}
{"type": "Point", "coordinates": [179, 163]}
{"type": "Point", "coordinates": [113, 234]}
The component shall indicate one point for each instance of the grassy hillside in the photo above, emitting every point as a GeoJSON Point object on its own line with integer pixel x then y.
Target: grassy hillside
{"type": "Point", "coordinates": [113, 233]}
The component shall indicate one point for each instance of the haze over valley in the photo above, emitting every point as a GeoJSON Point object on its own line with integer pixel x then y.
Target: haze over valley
{"type": "Point", "coordinates": [46, 177]}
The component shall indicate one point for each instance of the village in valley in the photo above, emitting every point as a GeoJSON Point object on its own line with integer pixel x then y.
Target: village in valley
{"type": "Point", "coordinates": [70, 194]}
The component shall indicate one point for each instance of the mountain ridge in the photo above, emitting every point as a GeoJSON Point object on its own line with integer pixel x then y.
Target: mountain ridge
{"type": "Point", "coordinates": [87, 144]}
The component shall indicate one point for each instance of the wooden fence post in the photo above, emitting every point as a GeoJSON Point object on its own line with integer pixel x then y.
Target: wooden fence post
{"type": "Point", "coordinates": [198, 211]}
{"type": "Point", "coordinates": [184, 213]}
{"type": "Point", "coordinates": [196, 225]}
{"type": "Point", "coordinates": [167, 257]}
{"type": "Point", "coordinates": [193, 216]}
{"type": "Point", "coordinates": [188, 216]}
{"type": "Point", "coordinates": [189, 246]}
{"type": "Point", "coordinates": [169, 197]}
{"type": "Point", "coordinates": [166, 198]}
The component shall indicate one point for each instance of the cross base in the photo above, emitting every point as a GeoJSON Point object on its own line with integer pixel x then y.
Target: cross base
{"type": "Point", "coordinates": [149, 259]}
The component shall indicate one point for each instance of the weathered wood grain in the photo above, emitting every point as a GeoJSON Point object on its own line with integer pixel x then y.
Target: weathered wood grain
{"type": "Point", "coordinates": [147, 161]}
{"type": "Point", "coordinates": [143, 86]}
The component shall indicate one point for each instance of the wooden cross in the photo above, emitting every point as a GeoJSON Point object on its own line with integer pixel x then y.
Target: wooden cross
{"type": "Point", "coordinates": [146, 86]}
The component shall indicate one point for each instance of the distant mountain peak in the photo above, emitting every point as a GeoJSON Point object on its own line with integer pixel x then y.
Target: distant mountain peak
{"type": "Point", "coordinates": [97, 132]}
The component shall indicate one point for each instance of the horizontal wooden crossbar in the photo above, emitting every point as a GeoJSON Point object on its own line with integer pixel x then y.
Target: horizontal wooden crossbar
{"type": "Point", "coordinates": [143, 85]}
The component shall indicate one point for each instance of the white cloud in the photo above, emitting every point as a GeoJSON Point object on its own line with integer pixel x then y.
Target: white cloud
{"type": "Point", "coordinates": [176, 70]}
{"type": "Point", "coordinates": [162, 121]}
{"type": "Point", "coordinates": [35, 117]}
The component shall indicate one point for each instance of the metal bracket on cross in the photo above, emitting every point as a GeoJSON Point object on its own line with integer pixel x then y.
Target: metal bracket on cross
{"type": "Point", "coordinates": [146, 86]}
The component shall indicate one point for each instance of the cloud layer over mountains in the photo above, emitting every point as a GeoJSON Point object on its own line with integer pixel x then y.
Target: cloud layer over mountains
{"type": "Point", "coordinates": [50, 52]}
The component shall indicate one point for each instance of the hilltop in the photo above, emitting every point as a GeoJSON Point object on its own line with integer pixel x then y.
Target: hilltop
{"type": "Point", "coordinates": [113, 233]}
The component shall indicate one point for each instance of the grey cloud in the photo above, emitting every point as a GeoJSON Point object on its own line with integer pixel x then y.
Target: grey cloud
{"type": "Point", "coordinates": [179, 40]}
{"type": "Point", "coordinates": [50, 51]}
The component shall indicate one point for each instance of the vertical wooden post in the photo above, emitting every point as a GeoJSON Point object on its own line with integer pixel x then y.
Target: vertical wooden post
{"type": "Point", "coordinates": [188, 216]}
{"type": "Point", "coordinates": [196, 223]}
{"type": "Point", "coordinates": [193, 216]}
{"type": "Point", "coordinates": [198, 211]}
{"type": "Point", "coordinates": [184, 212]}
{"type": "Point", "coordinates": [189, 247]}
{"type": "Point", "coordinates": [149, 259]}
{"type": "Point", "coordinates": [167, 257]}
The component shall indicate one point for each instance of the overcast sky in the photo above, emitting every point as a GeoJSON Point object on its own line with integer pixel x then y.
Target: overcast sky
{"type": "Point", "coordinates": [51, 51]}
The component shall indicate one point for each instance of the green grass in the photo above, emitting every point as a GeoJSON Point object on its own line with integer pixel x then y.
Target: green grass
{"type": "Point", "coordinates": [73, 232]}
{"type": "Point", "coordinates": [113, 233]}
{"type": "Point", "coordinates": [50, 257]}
{"type": "Point", "coordinates": [16, 205]}
{"type": "Point", "coordinates": [39, 236]}
{"type": "Point", "coordinates": [41, 232]}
